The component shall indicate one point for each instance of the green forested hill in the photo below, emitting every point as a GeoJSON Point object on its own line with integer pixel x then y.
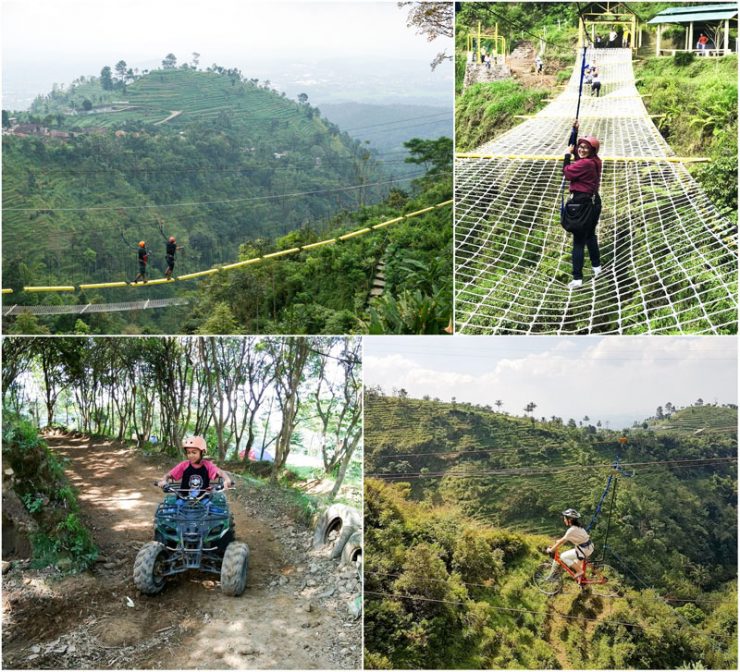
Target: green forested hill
{"type": "Point", "coordinates": [218, 174]}
{"type": "Point", "coordinates": [221, 162]}
{"type": "Point", "coordinates": [484, 483]}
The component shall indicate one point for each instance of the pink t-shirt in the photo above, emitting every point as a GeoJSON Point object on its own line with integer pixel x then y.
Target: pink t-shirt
{"type": "Point", "coordinates": [178, 470]}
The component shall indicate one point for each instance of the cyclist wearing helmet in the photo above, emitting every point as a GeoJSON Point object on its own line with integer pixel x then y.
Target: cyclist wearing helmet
{"type": "Point", "coordinates": [584, 175]}
{"type": "Point", "coordinates": [195, 472]}
{"type": "Point", "coordinates": [576, 535]}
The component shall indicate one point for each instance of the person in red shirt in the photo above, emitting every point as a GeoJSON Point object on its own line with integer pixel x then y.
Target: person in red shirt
{"type": "Point", "coordinates": [584, 175]}
{"type": "Point", "coordinates": [195, 472]}
{"type": "Point", "coordinates": [701, 43]}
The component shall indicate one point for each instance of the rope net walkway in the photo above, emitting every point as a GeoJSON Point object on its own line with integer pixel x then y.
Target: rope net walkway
{"type": "Point", "coordinates": [669, 258]}
{"type": "Point", "coordinates": [94, 307]}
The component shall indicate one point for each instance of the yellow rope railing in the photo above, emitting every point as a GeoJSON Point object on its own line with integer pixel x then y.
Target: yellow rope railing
{"type": "Point", "coordinates": [559, 157]}
{"type": "Point", "coordinates": [238, 264]}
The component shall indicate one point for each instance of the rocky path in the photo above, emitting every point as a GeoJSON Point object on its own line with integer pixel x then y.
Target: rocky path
{"type": "Point", "coordinates": [298, 611]}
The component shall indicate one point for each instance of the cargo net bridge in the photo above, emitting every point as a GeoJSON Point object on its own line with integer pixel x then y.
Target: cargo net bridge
{"type": "Point", "coordinates": [669, 257]}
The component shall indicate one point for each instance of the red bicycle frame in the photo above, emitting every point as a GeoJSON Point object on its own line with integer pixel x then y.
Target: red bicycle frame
{"type": "Point", "coordinates": [584, 579]}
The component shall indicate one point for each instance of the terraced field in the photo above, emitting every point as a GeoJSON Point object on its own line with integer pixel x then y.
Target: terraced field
{"type": "Point", "coordinates": [509, 471]}
{"type": "Point", "coordinates": [698, 420]}
{"type": "Point", "coordinates": [200, 96]}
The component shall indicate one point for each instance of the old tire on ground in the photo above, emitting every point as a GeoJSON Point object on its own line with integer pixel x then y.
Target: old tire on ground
{"type": "Point", "coordinates": [352, 551]}
{"type": "Point", "coordinates": [335, 519]}
{"type": "Point", "coordinates": [148, 576]}
{"type": "Point", "coordinates": [234, 569]}
{"type": "Point", "coordinates": [344, 537]}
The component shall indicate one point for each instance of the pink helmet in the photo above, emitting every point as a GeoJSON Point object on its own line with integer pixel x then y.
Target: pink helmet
{"type": "Point", "coordinates": [591, 141]}
{"type": "Point", "coordinates": [195, 442]}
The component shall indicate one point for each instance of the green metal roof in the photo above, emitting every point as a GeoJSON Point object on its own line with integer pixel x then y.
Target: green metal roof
{"type": "Point", "coordinates": [696, 13]}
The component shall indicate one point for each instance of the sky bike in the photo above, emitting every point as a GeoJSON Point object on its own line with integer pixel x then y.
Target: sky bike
{"type": "Point", "coordinates": [598, 577]}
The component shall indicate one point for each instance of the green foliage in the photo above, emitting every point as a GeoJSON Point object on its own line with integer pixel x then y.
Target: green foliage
{"type": "Point", "coordinates": [33, 503]}
{"type": "Point", "coordinates": [326, 290]}
{"type": "Point", "coordinates": [698, 103]}
{"type": "Point", "coordinates": [674, 529]}
{"type": "Point", "coordinates": [438, 596]}
{"type": "Point", "coordinates": [484, 111]}
{"type": "Point", "coordinates": [42, 486]}
{"type": "Point", "coordinates": [682, 58]}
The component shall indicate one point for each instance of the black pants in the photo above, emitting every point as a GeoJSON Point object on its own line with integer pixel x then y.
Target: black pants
{"type": "Point", "coordinates": [586, 239]}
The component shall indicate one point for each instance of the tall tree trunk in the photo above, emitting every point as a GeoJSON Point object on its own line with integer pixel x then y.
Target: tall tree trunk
{"type": "Point", "coordinates": [293, 358]}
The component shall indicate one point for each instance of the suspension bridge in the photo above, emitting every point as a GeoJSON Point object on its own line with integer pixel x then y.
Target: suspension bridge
{"type": "Point", "coordinates": [669, 256]}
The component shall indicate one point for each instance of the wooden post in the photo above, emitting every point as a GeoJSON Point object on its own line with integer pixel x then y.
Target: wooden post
{"type": "Point", "coordinates": [690, 45]}
{"type": "Point", "coordinates": [633, 44]}
{"type": "Point", "coordinates": [657, 39]}
{"type": "Point", "coordinates": [727, 36]}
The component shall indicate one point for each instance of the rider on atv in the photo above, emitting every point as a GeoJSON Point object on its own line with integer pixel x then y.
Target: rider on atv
{"type": "Point", "coordinates": [195, 473]}
{"type": "Point", "coordinates": [193, 528]}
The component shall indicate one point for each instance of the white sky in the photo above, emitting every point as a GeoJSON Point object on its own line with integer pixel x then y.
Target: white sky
{"type": "Point", "coordinates": [615, 379]}
{"type": "Point", "coordinates": [222, 31]}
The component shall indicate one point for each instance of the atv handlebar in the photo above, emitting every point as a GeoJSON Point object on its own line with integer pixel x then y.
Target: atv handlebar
{"type": "Point", "coordinates": [216, 486]}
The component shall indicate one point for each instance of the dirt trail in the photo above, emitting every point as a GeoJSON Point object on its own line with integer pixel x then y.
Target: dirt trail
{"type": "Point", "coordinates": [521, 62]}
{"type": "Point", "coordinates": [293, 614]}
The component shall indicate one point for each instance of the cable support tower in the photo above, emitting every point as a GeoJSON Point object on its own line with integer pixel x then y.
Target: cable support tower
{"type": "Point", "coordinates": [669, 256]}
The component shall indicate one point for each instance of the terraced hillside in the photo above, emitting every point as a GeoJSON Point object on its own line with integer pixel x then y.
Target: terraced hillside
{"type": "Point", "coordinates": [217, 159]}
{"type": "Point", "coordinates": [198, 96]}
{"type": "Point", "coordinates": [699, 420]}
{"type": "Point", "coordinates": [460, 501]}
{"type": "Point", "coordinates": [518, 473]}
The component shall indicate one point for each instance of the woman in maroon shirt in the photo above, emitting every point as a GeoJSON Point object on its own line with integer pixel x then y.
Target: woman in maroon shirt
{"type": "Point", "coordinates": [584, 175]}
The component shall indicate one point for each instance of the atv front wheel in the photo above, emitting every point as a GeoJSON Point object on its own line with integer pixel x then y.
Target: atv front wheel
{"type": "Point", "coordinates": [148, 567]}
{"type": "Point", "coordinates": [234, 569]}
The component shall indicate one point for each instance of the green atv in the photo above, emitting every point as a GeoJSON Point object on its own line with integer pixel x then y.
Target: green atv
{"type": "Point", "coordinates": [193, 529]}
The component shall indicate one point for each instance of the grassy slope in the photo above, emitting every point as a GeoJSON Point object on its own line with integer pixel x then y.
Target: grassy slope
{"type": "Point", "coordinates": [394, 428]}
{"type": "Point", "coordinates": [698, 102]}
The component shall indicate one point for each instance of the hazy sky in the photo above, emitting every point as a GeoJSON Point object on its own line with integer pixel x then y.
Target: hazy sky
{"type": "Point", "coordinates": [619, 379]}
{"type": "Point", "coordinates": [56, 41]}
